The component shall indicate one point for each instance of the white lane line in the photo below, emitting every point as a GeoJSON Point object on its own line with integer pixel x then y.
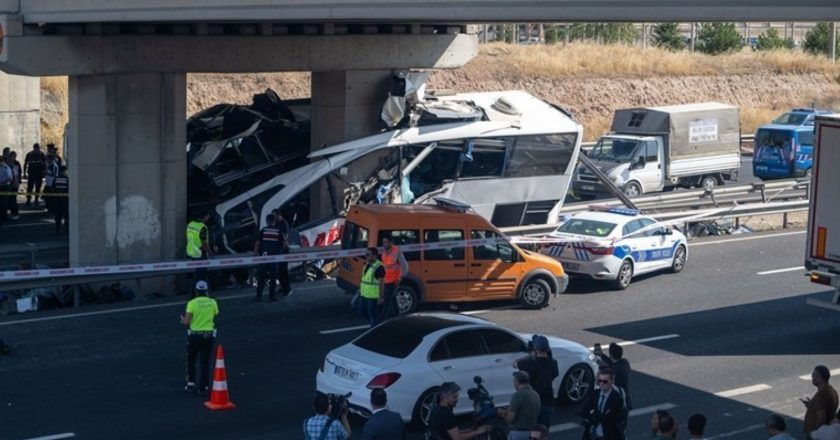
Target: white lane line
{"type": "Point", "coordinates": [738, 432]}
{"type": "Point", "coordinates": [744, 390]}
{"type": "Point", "coordinates": [54, 437]}
{"type": "Point", "coordinates": [634, 413]}
{"type": "Point", "coordinates": [642, 341]}
{"type": "Point", "coordinates": [759, 237]}
{"type": "Point", "coordinates": [787, 269]}
{"type": "Point", "coordinates": [833, 372]}
{"type": "Point", "coordinates": [344, 329]}
{"type": "Point", "coordinates": [132, 309]}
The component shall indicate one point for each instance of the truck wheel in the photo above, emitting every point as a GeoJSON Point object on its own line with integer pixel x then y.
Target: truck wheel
{"type": "Point", "coordinates": [632, 189]}
{"type": "Point", "coordinates": [709, 182]}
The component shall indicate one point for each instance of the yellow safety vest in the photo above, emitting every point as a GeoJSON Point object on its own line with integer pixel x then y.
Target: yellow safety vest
{"type": "Point", "coordinates": [194, 248]}
{"type": "Point", "coordinates": [370, 285]}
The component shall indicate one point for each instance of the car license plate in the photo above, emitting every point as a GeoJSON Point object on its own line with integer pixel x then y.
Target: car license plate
{"type": "Point", "coordinates": [345, 373]}
{"type": "Point", "coordinates": [587, 187]}
{"type": "Point", "coordinates": [571, 266]}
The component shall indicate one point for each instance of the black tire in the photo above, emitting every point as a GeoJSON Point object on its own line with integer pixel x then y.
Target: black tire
{"type": "Point", "coordinates": [407, 299]}
{"type": "Point", "coordinates": [625, 275]}
{"type": "Point", "coordinates": [534, 294]}
{"type": "Point", "coordinates": [680, 257]}
{"type": "Point", "coordinates": [577, 384]}
{"type": "Point", "coordinates": [420, 414]}
{"type": "Point", "coordinates": [708, 182]}
{"type": "Point", "coordinates": [632, 189]}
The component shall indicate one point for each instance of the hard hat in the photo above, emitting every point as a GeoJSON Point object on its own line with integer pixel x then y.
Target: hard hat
{"type": "Point", "coordinates": [201, 285]}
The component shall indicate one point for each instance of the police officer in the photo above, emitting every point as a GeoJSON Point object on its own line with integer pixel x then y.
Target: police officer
{"type": "Point", "coordinates": [269, 243]}
{"type": "Point", "coordinates": [61, 187]}
{"type": "Point", "coordinates": [200, 320]}
{"type": "Point", "coordinates": [34, 165]}
{"type": "Point", "coordinates": [198, 247]}
{"type": "Point", "coordinates": [370, 287]}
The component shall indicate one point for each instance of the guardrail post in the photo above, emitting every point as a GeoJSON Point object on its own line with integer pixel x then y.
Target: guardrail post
{"type": "Point", "coordinates": [737, 222]}
{"type": "Point", "coordinates": [784, 220]}
{"type": "Point", "coordinates": [76, 296]}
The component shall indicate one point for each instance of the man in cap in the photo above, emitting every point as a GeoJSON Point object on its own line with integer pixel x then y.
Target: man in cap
{"type": "Point", "coordinates": [542, 370]}
{"type": "Point", "coordinates": [200, 319]}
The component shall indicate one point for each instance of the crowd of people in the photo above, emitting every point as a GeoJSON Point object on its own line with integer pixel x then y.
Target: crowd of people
{"type": "Point", "coordinates": [39, 169]}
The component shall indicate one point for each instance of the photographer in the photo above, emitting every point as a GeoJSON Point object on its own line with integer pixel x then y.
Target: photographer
{"type": "Point", "coordinates": [322, 425]}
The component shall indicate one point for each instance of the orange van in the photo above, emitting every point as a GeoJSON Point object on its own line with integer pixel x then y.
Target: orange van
{"type": "Point", "coordinates": [459, 274]}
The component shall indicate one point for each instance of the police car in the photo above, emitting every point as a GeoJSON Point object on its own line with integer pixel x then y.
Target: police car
{"type": "Point", "coordinates": [616, 244]}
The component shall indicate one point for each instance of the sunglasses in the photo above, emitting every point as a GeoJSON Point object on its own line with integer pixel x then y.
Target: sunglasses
{"type": "Point", "coordinates": [603, 381]}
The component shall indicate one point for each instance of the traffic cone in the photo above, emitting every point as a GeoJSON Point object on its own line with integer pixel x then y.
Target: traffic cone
{"type": "Point", "coordinates": [219, 398]}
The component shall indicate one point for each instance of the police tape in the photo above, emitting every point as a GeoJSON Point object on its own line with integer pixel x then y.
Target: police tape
{"type": "Point", "coordinates": [26, 194]}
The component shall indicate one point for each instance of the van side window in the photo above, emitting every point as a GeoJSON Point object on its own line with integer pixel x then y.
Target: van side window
{"type": "Point", "coordinates": [541, 155]}
{"type": "Point", "coordinates": [487, 251]}
{"type": "Point", "coordinates": [354, 237]}
{"type": "Point", "coordinates": [442, 235]}
{"type": "Point", "coordinates": [401, 238]}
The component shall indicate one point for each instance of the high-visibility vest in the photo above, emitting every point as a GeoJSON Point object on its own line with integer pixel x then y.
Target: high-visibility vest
{"type": "Point", "coordinates": [194, 247]}
{"type": "Point", "coordinates": [392, 264]}
{"type": "Point", "coordinates": [370, 286]}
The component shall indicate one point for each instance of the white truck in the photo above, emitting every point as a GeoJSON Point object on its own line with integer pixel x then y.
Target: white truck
{"type": "Point", "coordinates": [822, 253]}
{"type": "Point", "coordinates": [660, 148]}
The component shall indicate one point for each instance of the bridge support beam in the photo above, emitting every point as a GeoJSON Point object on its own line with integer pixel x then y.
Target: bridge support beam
{"type": "Point", "coordinates": [128, 173]}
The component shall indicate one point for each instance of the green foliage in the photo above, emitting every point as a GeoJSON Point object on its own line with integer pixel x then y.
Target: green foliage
{"type": "Point", "coordinates": [668, 36]}
{"type": "Point", "coordinates": [552, 34]}
{"type": "Point", "coordinates": [817, 39]}
{"type": "Point", "coordinates": [508, 33]}
{"type": "Point", "coordinates": [602, 32]}
{"type": "Point", "coordinates": [770, 40]}
{"type": "Point", "coordinates": [718, 38]}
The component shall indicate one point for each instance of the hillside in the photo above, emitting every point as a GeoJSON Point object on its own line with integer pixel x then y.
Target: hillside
{"type": "Point", "coordinates": [591, 80]}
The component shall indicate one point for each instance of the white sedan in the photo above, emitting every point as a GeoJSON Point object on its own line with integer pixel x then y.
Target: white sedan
{"type": "Point", "coordinates": [411, 356]}
{"type": "Point", "coordinates": [616, 244]}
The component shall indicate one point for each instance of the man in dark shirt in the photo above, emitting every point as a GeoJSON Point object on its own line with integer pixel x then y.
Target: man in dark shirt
{"type": "Point", "coordinates": [442, 421]}
{"type": "Point", "coordinates": [542, 369]}
{"type": "Point", "coordinates": [283, 268]}
{"type": "Point", "coordinates": [34, 165]}
{"type": "Point", "coordinates": [621, 367]}
{"type": "Point", "coordinates": [268, 243]}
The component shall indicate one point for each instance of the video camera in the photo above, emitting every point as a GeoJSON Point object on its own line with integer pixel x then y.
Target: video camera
{"type": "Point", "coordinates": [339, 404]}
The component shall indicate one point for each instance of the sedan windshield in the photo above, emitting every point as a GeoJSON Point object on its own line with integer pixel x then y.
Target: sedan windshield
{"type": "Point", "coordinates": [791, 119]}
{"type": "Point", "coordinates": [612, 149]}
{"type": "Point", "coordinates": [587, 227]}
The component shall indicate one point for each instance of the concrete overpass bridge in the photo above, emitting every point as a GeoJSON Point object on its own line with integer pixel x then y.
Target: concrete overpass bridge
{"type": "Point", "coordinates": [128, 59]}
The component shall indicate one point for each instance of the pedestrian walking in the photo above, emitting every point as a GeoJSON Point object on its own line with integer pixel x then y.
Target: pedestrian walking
{"type": "Point", "coordinates": [666, 426]}
{"type": "Point", "coordinates": [605, 414]}
{"type": "Point", "coordinates": [269, 243]}
{"type": "Point", "coordinates": [34, 167]}
{"type": "Point", "coordinates": [396, 267]}
{"type": "Point", "coordinates": [283, 268]}
{"type": "Point", "coordinates": [200, 319]}
{"type": "Point", "coordinates": [5, 186]}
{"type": "Point", "coordinates": [697, 426]}
{"type": "Point", "coordinates": [198, 246]}
{"type": "Point", "coordinates": [542, 369]}
{"type": "Point", "coordinates": [370, 287]}
{"type": "Point", "coordinates": [776, 428]}
{"type": "Point", "coordinates": [382, 424]}
{"type": "Point", "coordinates": [61, 189]}
{"type": "Point", "coordinates": [828, 432]}
{"type": "Point", "coordinates": [17, 175]}
{"type": "Point", "coordinates": [442, 422]}
{"type": "Point", "coordinates": [323, 426]}
{"type": "Point", "coordinates": [822, 407]}
{"type": "Point", "coordinates": [524, 408]}
{"type": "Point", "coordinates": [49, 181]}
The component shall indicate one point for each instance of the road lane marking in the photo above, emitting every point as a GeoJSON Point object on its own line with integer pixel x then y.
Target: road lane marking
{"type": "Point", "coordinates": [644, 340]}
{"type": "Point", "coordinates": [759, 237]}
{"type": "Point", "coordinates": [787, 269]}
{"type": "Point", "coordinates": [344, 329]}
{"type": "Point", "coordinates": [738, 432]}
{"type": "Point", "coordinates": [634, 413]}
{"type": "Point", "coordinates": [54, 437]}
{"type": "Point", "coordinates": [744, 390]}
{"type": "Point", "coordinates": [132, 309]}
{"type": "Point", "coordinates": [833, 372]}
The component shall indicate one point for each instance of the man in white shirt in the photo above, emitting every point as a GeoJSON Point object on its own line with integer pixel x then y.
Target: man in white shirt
{"type": "Point", "coordinates": [828, 432]}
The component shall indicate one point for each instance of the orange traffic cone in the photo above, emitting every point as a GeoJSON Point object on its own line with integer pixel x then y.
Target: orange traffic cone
{"type": "Point", "coordinates": [219, 398]}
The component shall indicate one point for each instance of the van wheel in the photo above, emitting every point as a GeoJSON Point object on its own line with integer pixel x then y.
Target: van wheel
{"type": "Point", "coordinates": [632, 189]}
{"type": "Point", "coordinates": [679, 260]}
{"type": "Point", "coordinates": [535, 294]}
{"type": "Point", "coordinates": [709, 182]}
{"type": "Point", "coordinates": [578, 382]}
{"type": "Point", "coordinates": [407, 299]}
{"type": "Point", "coordinates": [625, 275]}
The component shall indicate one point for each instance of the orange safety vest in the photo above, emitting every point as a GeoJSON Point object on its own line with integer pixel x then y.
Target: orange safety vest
{"type": "Point", "coordinates": [392, 265]}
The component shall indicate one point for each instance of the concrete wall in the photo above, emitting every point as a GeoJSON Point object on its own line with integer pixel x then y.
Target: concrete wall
{"type": "Point", "coordinates": [20, 113]}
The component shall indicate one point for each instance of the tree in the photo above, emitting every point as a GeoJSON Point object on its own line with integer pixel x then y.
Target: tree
{"type": "Point", "coordinates": [770, 40]}
{"type": "Point", "coordinates": [508, 33]}
{"type": "Point", "coordinates": [817, 39]}
{"type": "Point", "coordinates": [552, 34]}
{"type": "Point", "coordinates": [603, 32]}
{"type": "Point", "coordinates": [718, 38]}
{"type": "Point", "coordinates": [668, 36]}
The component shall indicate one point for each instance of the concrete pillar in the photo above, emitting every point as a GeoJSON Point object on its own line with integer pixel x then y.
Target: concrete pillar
{"type": "Point", "coordinates": [128, 173]}
{"type": "Point", "coordinates": [346, 105]}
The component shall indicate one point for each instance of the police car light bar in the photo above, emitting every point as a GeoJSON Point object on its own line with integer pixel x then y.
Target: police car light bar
{"type": "Point", "coordinates": [614, 210]}
{"type": "Point", "coordinates": [452, 204]}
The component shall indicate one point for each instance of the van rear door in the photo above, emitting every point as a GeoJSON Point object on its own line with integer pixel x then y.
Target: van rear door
{"type": "Point", "coordinates": [445, 269]}
{"type": "Point", "coordinates": [493, 268]}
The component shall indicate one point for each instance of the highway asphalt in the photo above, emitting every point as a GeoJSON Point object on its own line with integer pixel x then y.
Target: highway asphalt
{"type": "Point", "coordinates": [729, 337]}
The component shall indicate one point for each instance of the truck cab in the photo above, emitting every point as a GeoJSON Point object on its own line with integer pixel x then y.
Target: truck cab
{"type": "Point", "coordinates": [633, 163]}
{"type": "Point", "coordinates": [783, 151]}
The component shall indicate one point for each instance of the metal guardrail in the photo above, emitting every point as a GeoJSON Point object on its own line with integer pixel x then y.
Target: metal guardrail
{"type": "Point", "coordinates": [744, 138]}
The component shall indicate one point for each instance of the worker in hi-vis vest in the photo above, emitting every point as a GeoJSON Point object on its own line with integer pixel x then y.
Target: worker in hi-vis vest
{"type": "Point", "coordinates": [370, 288]}
{"type": "Point", "coordinates": [396, 267]}
{"type": "Point", "coordinates": [198, 245]}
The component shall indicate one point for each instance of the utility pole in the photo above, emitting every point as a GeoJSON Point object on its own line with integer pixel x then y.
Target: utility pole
{"type": "Point", "coordinates": [832, 41]}
{"type": "Point", "coordinates": [693, 34]}
{"type": "Point", "coordinates": [747, 32]}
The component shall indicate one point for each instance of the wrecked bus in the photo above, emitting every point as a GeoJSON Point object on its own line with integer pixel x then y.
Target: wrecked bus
{"type": "Point", "coordinates": [507, 154]}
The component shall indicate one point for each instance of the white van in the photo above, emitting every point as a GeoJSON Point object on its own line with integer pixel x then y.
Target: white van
{"type": "Point", "coordinates": [507, 154]}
